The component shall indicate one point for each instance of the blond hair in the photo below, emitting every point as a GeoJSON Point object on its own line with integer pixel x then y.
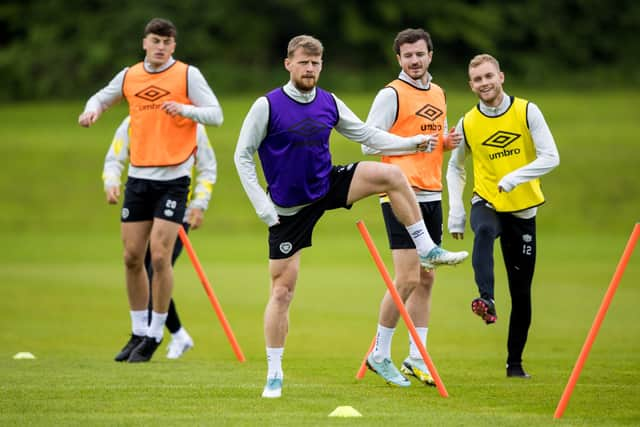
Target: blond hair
{"type": "Point", "coordinates": [481, 59]}
{"type": "Point", "coordinates": [310, 45]}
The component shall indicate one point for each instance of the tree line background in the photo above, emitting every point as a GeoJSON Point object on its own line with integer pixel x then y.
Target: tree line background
{"type": "Point", "coordinates": [68, 49]}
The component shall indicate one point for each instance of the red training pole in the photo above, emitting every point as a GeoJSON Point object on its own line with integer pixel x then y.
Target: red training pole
{"type": "Point", "coordinates": [210, 294]}
{"type": "Point", "coordinates": [400, 305]}
{"type": "Point", "coordinates": [606, 301]}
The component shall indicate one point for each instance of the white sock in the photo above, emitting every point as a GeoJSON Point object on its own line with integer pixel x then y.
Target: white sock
{"type": "Point", "coordinates": [382, 350]}
{"type": "Point", "coordinates": [414, 353]}
{"type": "Point", "coordinates": [274, 362]}
{"type": "Point", "coordinates": [157, 325]}
{"type": "Point", "coordinates": [139, 322]}
{"type": "Point", "coordinates": [421, 238]}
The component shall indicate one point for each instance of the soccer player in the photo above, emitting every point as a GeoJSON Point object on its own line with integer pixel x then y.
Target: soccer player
{"type": "Point", "coordinates": [206, 169]}
{"type": "Point", "coordinates": [290, 128]}
{"type": "Point", "coordinates": [511, 147]}
{"type": "Point", "coordinates": [167, 98]}
{"type": "Point", "coordinates": [410, 104]}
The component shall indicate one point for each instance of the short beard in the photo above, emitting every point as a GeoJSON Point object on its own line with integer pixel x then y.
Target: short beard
{"type": "Point", "coordinates": [417, 77]}
{"type": "Point", "coordinates": [303, 87]}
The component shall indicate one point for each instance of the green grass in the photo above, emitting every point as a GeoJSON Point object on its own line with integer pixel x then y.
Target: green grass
{"type": "Point", "coordinates": [63, 296]}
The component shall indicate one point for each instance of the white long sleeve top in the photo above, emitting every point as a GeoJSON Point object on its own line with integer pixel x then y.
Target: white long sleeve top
{"type": "Point", "coordinates": [205, 110]}
{"type": "Point", "coordinates": [205, 165]}
{"type": "Point", "coordinates": [254, 130]}
{"type": "Point", "coordinates": [547, 158]}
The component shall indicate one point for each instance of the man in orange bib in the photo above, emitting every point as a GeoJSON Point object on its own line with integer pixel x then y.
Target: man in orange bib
{"type": "Point", "coordinates": [411, 104]}
{"type": "Point", "coordinates": [167, 98]}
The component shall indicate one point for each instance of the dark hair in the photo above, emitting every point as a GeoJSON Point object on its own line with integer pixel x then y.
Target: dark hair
{"type": "Point", "coordinates": [161, 27]}
{"type": "Point", "coordinates": [412, 35]}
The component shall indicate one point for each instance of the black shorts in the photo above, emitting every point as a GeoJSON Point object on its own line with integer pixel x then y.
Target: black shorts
{"type": "Point", "coordinates": [145, 199]}
{"type": "Point", "coordinates": [294, 231]}
{"type": "Point", "coordinates": [397, 233]}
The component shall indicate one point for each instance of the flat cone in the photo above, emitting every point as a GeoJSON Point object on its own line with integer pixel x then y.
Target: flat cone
{"type": "Point", "coordinates": [23, 355]}
{"type": "Point", "coordinates": [345, 411]}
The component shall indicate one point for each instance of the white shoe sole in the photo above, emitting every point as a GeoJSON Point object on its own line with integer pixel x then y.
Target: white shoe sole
{"type": "Point", "coordinates": [172, 355]}
{"type": "Point", "coordinates": [431, 264]}
{"type": "Point", "coordinates": [387, 380]}
{"type": "Point", "coordinates": [272, 393]}
{"type": "Point", "coordinates": [454, 259]}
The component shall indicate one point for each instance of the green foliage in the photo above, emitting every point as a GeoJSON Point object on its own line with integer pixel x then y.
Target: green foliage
{"type": "Point", "coordinates": [549, 37]}
{"type": "Point", "coordinates": [68, 49]}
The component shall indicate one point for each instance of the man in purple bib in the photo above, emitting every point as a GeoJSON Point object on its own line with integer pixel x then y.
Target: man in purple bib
{"type": "Point", "coordinates": [290, 129]}
{"type": "Point", "coordinates": [295, 154]}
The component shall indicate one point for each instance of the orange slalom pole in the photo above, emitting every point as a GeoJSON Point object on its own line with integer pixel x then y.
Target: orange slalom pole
{"type": "Point", "coordinates": [400, 305]}
{"type": "Point", "coordinates": [363, 365]}
{"type": "Point", "coordinates": [210, 294]}
{"type": "Point", "coordinates": [606, 301]}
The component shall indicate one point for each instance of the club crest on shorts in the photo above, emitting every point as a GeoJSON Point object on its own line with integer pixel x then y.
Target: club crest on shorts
{"type": "Point", "coordinates": [168, 213]}
{"type": "Point", "coordinates": [125, 213]}
{"type": "Point", "coordinates": [527, 238]}
{"type": "Point", "coordinates": [285, 247]}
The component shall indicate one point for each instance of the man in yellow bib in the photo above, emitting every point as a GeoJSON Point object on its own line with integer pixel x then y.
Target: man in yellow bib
{"type": "Point", "coordinates": [511, 147]}
{"type": "Point", "coordinates": [411, 104]}
{"type": "Point", "coordinates": [167, 98]}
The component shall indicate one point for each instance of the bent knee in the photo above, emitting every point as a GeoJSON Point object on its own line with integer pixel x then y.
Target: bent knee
{"type": "Point", "coordinates": [282, 295]}
{"type": "Point", "coordinates": [406, 285]}
{"type": "Point", "coordinates": [485, 230]}
{"type": "Point", "coordinates": [133, 260]}
{"type": "Point", "coordinates": [160, 261]}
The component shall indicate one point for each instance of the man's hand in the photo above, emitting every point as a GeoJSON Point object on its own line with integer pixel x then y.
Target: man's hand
{"type": "Point", "coordinates": [172, 108]}
{"type": "Point", "coordinates": [195, 217]}
{"type": "Point", "coordinates": [452, 140]}
{"type": "Point", "coordinates": [428, 145]}
{"type": "Point", "coordinates": [87, 119]}
{"type": "Point", "coordinates": [113, 194]}
{"type": "Point", "coordinates": [504, 186]}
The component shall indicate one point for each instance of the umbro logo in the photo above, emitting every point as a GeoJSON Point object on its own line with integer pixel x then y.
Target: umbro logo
{"type": "Point", "coordinates": [501, 139]}
{"type": "Point", "coordinates": [152, 93]}
{"type": "Point", "coordinates": [429, 112]}
{"type": "Point", "coordinates": [306, 127]}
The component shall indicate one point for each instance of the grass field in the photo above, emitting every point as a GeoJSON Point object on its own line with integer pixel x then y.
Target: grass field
{"type": "Point", "coordinates": [63, 295]}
